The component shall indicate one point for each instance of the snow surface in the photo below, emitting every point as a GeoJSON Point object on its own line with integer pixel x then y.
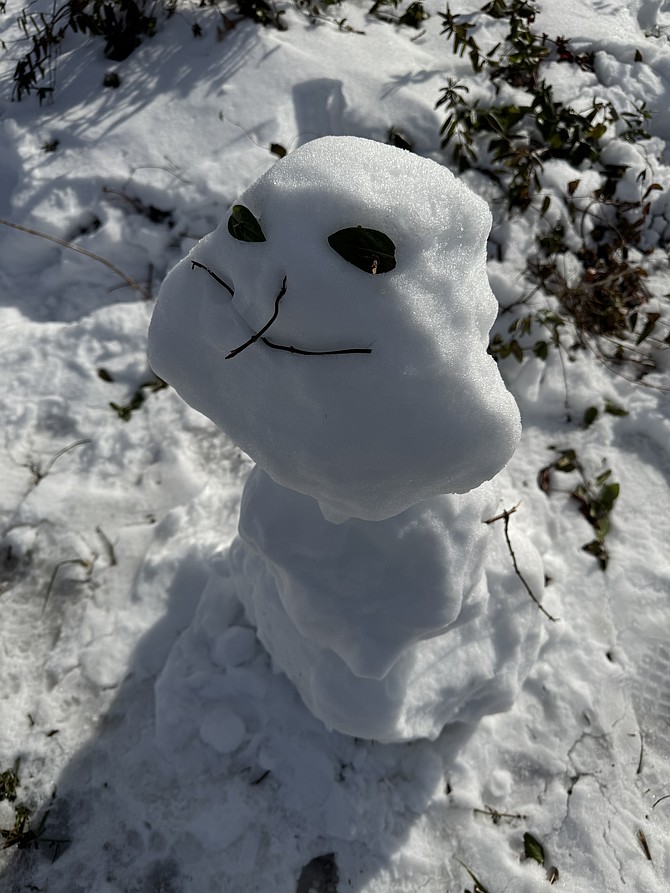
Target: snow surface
{"type": "Point", "coordinates": [146, 715]}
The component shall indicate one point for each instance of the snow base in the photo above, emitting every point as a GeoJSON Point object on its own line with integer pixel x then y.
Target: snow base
{"type": "Point", "coordinates": [430, 626]}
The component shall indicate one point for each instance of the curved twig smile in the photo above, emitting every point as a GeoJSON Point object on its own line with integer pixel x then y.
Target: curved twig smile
{"type": "Point", "coordinates": [289, 348]}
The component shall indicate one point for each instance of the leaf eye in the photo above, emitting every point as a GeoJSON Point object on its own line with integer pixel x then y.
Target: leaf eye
{"type": "Point", "coordinates": [243, 226]}
{"type": "Point", "coordinates": [368, 249]}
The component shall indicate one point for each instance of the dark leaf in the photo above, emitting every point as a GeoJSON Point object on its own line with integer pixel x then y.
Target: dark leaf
{"type": "Point", "coordinates": [243, 226]}
{"type": "Point", "coordinates": [544, 479]}
{"type": "Point", "coordinates": [321, 875]}
{"type": "Point", "coordinates": [598, 550]}
{"type": "Point", "coordinates": [533, 848]}
{"type": "Point", "coordinates": [516, 350]}
{"type": "Point", "coordinates": [278, 150]}
{"type": "Point", "coordinates": [541, 350]}
{"type": "Point", "coordinates": [367, 249]}
{"type": "Point", "coordinates": [608, 496]}
{"type": "Point", "coordinates": [590, 415]}
{"type": "Point", "coordinates": [615, 409]}
{"type": "Point", "coordinates": [649, 326]}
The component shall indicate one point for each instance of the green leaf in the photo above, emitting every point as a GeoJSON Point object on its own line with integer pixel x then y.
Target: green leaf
{"type": "Point", "coordinates": [541, 350]}
{"type": "Point", "coordinates": [243, 226]}
{"type": "Point", "coordinates": [608, 495]}
{"type": "Point", "coordinates": [615, 409]}
{"type": "Point", "coordinates": [516, 350]}
{"type": "Point", "coordinates": [368, 249]}
{"type": "Point", "coordinates": [598, 550]}
{"type": "Point", "coordinates": [533, 848]}
{"type": "Point", "coordinates": [590, 415]}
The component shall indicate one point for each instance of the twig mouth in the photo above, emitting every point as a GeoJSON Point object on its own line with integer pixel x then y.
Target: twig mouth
{"type": "Point", "coordinates": [259, 336]}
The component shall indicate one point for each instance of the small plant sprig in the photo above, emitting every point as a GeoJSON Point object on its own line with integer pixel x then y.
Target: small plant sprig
{"type": "Point", "coordinates": [604, 302]}
{"type": "Point", "coordinates": [596, 498]}
{"type": "Point", "coordinates": [413, 16]}
{"type": "Point", "coordinates": [263, 12]}
{"type": "Point", "coordinates": [121, 23]}
{"type": "Point", "coordinates": [125, 410]}
{"type": "Point", "coordinates": [143, 291]}
{"type": "Point", "coordinates": [9, 782]}
{"type": "Point", "coordinates": [505, 516]}
{"type": "Point", "coordinates": [319, 11]}
{"type": "Point", "coordinates": [23, 837]}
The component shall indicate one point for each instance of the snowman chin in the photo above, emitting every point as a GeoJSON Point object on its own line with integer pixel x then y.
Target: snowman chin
{"type": "Point", "coordinates": [335, 516]}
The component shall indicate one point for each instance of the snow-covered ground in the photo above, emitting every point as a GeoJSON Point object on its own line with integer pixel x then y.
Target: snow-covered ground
{"type": "Point", "coordinates": [147, 721]}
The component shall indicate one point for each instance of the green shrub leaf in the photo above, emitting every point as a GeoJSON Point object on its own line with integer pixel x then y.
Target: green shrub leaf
{"type": "Point", "coordinates": [368, 249]}
{"type": "Point", "coordinates": [533, 848]}
{"type": "Point", "coordinates": [615, 409]}
{"type": "Point", "coordinates": [243, 226]}
{"type": "Point", "coordinates": [590, 415]}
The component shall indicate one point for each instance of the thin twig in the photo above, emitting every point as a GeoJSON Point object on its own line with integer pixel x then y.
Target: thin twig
{"type": "Point", "coordinates": [505, 516]}
{"type": "Point", "coordinates": [315, 353]}
{"type": "Point", "coordinates": [66, 449]}
{"type": "Point", "coordinates": [496, 816]}
{"type": "Point", "coordinates": [639, 763]}
{"type": "Point", "coordinates": [642, 837]}
{"type": "Point", "coordinates": [88, 564]}
{"type": "Point", "coordinates": [195, 263]}
{"type": "Point", "coordinates": [65, 244]}
{"type": "Point", "coordinates": [254, 338]}
{"type": "Point", "coordinates": [109, 546]}
{"type": "Point", "coordinates": [289, 348]}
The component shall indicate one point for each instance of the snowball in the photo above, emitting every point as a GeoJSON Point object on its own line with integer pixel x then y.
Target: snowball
{"type": "Point", "coordinates": [366, 434]}
{"type": "Point", "coordinates": [223, 730]}
{"type": "Point", "coordinates": [235, 646]}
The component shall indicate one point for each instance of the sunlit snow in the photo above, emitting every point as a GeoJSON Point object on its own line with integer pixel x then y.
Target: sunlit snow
{"type": "Point", "coordinates": [151, 732]}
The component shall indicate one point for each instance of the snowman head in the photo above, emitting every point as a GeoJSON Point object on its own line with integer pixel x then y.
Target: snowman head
{"type": "Point", "coordinates": [335, 325]}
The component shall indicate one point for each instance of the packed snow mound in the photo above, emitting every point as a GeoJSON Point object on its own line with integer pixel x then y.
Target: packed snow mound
{"type": "Point", "coordinates": [369, 589]}
{"type": "Point", "coordinates": [371, 387]}
{"type": "Point", "coordinates": [391, 629]}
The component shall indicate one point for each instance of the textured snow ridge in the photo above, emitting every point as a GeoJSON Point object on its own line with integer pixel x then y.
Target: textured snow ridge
{"type": "Point", "coordinates": [388, 629]}
{"type": "Point", "coordinates": [366, 434]}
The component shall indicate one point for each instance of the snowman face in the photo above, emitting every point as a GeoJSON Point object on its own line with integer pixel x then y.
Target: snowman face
{"type": "Point", "coordinates": [369, 250]}
{"type": "Point", "coordinates": [336, 328]}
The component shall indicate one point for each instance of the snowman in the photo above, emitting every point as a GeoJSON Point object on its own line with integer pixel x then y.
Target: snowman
{"type": "Point", "coordinates": [335, 325]}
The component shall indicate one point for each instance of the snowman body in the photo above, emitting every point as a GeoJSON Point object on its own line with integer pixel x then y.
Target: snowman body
{"type": "Point", "coordinates": [336, 326]}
